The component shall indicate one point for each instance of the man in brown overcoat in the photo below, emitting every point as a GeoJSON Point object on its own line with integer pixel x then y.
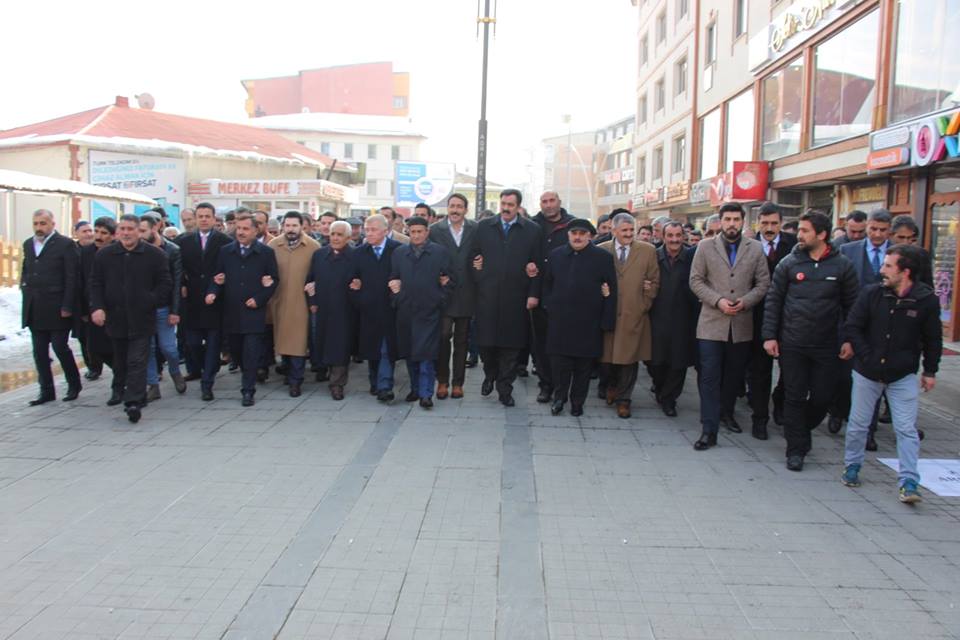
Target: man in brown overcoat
{"type": "Point", "coordinates": [291, 317]}
{"type": "Point", "coordinates": [638, 279]}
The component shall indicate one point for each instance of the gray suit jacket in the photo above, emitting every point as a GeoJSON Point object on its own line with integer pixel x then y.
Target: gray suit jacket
{"type": "Point", "coordinates": [463, 302]}
{"type": "Point", "coordinates": [857, 253]}
{"type": "Point", "coordinates": [712, 278]}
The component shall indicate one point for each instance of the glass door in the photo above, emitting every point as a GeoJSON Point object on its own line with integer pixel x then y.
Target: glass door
{"type": "Point", "coordinates": [943, 247]}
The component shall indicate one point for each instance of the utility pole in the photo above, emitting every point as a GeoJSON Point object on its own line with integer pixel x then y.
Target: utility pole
{"type": "Point", "coordinates": [481, 190]}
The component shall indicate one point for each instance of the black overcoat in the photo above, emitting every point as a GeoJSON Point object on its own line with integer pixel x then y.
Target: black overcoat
{"type": "Point", "coordinates": [377, 317]}
{"type": "Point", "coordinates": [674, 314]}
{"type": "Point", "coordinates": [503, 285]}
{"type": "Point", "coordinates": [336, 318]}
{"type": "Point", "coordinates": [97, 339]}
{"type": "Point", "coordinates": [198, 270]}
{"type": "Point", "coordinates": [48, 283]}
{"type": "Point", "coordinates": [244, 275]}
{"type": "Point", "coordinates": [579, 314]}
{"type": "Point", "coordinates": [129, 286]}
{"type": "Point", "coordinates": [463, 300]}
{"type": "Point", "coordinates": [421, 300]}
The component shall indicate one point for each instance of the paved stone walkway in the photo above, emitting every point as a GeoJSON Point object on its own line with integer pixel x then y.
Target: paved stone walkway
{"type": "Point", "coordinates": [309, 518]}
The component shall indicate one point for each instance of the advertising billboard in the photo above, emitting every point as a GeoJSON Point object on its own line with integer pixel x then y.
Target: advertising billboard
{"type": "Point", "coordinates": [429, 182]}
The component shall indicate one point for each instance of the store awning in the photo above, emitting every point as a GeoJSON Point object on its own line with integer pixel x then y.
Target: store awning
{"type": "Point", "coordinates": [32, 183]}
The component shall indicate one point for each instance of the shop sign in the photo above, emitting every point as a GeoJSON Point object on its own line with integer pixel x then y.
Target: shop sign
{"type": "Point", "coordinates": [654, 196]}
{"type": "Point", "coordinates": [889, 138]}
{"type": "Point", "coordinates": [249, 188]}
{"type": "Point", "coordinates": [611, 177]}
{"type": "Point", "coordinates": [677, 191]}
{"type": "Point", "coordinates": [700, 192]}
{"type": "Point", "coordinates": [796, 25]}
{"type": "Point", "coordinates": [887, 158]}
{"type": "Point", "coordinates": [151, 176]}
{"type": "Point", "coordinates": [628, 174]}
{"type": "Point", "coordinates": [747, 182]}
{"type": "Point", "coordinates": [429, 182]}
{"type": "Point", "coordinates": [274, 189]}
{"type": "Point", "coordinates": [918, 144]}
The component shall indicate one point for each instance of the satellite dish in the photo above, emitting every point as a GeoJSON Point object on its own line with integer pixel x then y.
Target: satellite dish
{"type": "Point", "coordinates": [145, 101]}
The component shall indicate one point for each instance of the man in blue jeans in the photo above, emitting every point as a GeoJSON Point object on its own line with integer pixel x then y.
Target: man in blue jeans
{"type": "Point", "coordinates": [891, 325]}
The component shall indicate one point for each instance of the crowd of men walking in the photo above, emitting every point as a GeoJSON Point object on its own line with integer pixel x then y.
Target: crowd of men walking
{"type": "Point", "coordinates": [848, 316]}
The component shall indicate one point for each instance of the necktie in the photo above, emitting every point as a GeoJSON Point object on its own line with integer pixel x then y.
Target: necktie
{"type": "Point", "coordinates": [876, 260]}
{"type": "Point", "coordinates": [203, 242]}
{"type": "Point", "coordinates": [376, 250]}
{"type": "Point", "coordinates": [506, 228]}
{"type": "Point", "coordinates": [623, 255]}
{"type": "Point", "coordinates": [243, 251]}
{"type": "Point", "coordinates": [770, 249]}
{"type": "Point", "coordinates": [733, 254]}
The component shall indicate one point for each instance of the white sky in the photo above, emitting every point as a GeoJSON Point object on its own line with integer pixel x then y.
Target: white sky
{"type": "Point", "coordinates": [549, 58]}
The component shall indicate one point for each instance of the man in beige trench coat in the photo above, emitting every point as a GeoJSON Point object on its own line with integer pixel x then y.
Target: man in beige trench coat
{"type": "Point", "coordinates": [638, 279]}
{"type": "Point", "coordinates": [293, 249]}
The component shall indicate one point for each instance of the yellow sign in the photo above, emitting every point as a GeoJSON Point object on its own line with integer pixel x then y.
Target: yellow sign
{"type": "Point", "coordinates": [804, 18]}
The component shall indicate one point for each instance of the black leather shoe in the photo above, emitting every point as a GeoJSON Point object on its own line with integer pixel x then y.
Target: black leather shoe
{"type": "Point", "coordinates": [556, 408]}
{"type": "Point", "coordinates": [323, 375]}
{"type": "Point", "coordinates": [133, 413]}
{"type": "Point", "coordinates": [601, 392]}
{"type": "Point", "coordinates": [487, 387]}
{"type": "Point", "coordinates": [72, 394]}
{"type": "Point", "coordinates": [920, 434]}
{"type": "Point", "coordinates": [190, 377]}
{"type": "Point", "coordinates": [507, 401]}
{"type": "Point", "coordinates": [705, 441]}
{"type": "Point", "coordinates": [41, 399]}
{"type": "Point", "coordinates": [576, 410]}
{"type": "Point", "coordinates": [795, 463]}
{"type": "Point", "coordinates": [373, 391]}
{"type": "Point", "coordinates": [778, 414]}
{"type": "Point", "coordinates": [834, 424]}
{"type": "Point", "coordinates": [206, 395]}
{"type": "Point", "coordinates": [544, 396]}
{"type": "Point", "coordinates": [233, 366]}
{"type": "Point", "coordinates": [295, 390]}
{"type": "Point", "coordinates": [115, 399]}
{"type": "Point", "coordinates": [731, 424]}
{"type": "Point", "coordinates": [471, 362]}
{"type": "Point", "coordinates": [426, 403]}
{"type": "Point", "coordinates": [262, 375]}
{"type": "Point", "coordinates": [871, 443]}
{"type": "Point", "coordinates": [247, 400]}
{"type": "Point", "coordinates": [669, 410]}
{"type": "Point", "coordinates": [522, 372]}
{"type": "Point", "coordinates": [760, 430]}
{"type": "Point", "coordinates": [91, 375]}
{"type": "Point", "coordinates": [413, 396]}
{"type": "Point", "coordinates": [385, 396]}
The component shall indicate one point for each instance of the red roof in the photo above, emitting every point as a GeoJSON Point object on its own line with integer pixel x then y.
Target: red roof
{"type": "Point", "coordinates": [107, 124]}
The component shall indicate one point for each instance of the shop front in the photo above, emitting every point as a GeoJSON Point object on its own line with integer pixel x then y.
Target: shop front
{"type": "Point", "coordinates": [275, 196]}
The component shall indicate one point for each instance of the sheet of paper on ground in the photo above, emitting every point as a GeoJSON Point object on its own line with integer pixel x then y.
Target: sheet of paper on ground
{"type": "Point", "coordinates": [940, 476]}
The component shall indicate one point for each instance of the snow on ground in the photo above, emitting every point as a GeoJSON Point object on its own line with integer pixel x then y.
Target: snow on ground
{"type": "Point", "coordinates": [16, 352]}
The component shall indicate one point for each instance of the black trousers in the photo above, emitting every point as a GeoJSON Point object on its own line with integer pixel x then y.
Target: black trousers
{"type": "Point", "coordinates": [458, 330]}
{"type": "Point", "coordinates": [93, 362]}
{"type": "Point", "coordinates": [268, 357]}
{"type": "Point", "coordinates": [42, 341]}
{"type": "Point", "coordinates": [571, 378]}
{"type": "Point", "coordinates": [500, 365]}
{"type": "Point", "coordinates": [246, 349]}
{"type": "Point", "coordinates": [667, 383]}
{"type": "Point", "coordinates": [761, 381]}
{"type": "Point", "coordinates": [809, 381]}
{"type": "Point", "coordinates": [205, 352]}
{"type": "Point", "coordinates": [538, 345]}
{"type": "Point", "coordinates": [623, 378]}
{"type": "Point", "coordinates": [130, 369]}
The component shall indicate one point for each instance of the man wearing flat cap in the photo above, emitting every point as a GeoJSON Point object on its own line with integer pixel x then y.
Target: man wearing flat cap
{"type": "Point", "coordinates": [580, 294]}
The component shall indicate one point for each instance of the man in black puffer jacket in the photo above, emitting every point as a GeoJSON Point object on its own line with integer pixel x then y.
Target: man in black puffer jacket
{"type": "Point", "coordinates": [812, 291]}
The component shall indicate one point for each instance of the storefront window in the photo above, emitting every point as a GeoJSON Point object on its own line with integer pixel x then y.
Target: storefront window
{"type": "Point", "coordinates": [782, 102]}
{"type": "Point", "coordinates": [926, 68]}
{"type": "Point", "coordinates": [943, 246]}
{"type": "Point", "coordinates": [845, 82]}
{"type": "Point", "coordinates": [709, 144]}
{"type": "Point", "coordinates": [739, 142]}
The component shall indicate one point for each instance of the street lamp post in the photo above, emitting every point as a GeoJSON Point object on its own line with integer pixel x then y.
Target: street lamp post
{"type": "Point", "coordinates": [567, 118]}
{"type": "Point", "coordinates": [481, 203]}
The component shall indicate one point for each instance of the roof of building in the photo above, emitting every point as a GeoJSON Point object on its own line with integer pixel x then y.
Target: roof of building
{"type": "Point", "coordinates": [354, 123]}
{"type": "Point", "coordinates": [467, 181]}
{"type": "Point", "coordinates": [32, 183]}
{"type": "Point", "coordinates": [120, 127]}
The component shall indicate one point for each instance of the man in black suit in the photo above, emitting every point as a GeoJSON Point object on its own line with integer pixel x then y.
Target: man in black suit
{"type": "Point", "coordinates": [246, 277]}
{"type": "Point", "coordinates": [48, 282]}
{"type": "Point", "coordinates": [130, 281]}
{"type": "Point", "coordinates": [201, 322]}
{"type": "Point", "coordinates": [776, 246]}
{"type": "Point", "coordinates": [457, 235]}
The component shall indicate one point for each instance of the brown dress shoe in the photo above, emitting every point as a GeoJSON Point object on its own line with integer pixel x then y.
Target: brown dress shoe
{"type": "Point", "coordinates": [441, 391]}
{"type": "Point", "coordinates": [611, 396]}
{"type": "Point", "coordinates": [336, 392]}
{"type": "Point", "coordinates": [623, 410]}
{"type": "Point", "coordinates": [456, 393]}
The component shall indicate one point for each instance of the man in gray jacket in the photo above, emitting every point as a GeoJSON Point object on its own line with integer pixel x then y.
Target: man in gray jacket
{"type": "Point", "coordinates": [729, 275]}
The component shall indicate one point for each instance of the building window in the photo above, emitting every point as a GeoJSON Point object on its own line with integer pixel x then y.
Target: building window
{"type": "Point", "coordinates": [549, 153]}
{"type": "Point", "coordinates": [739, 18]}
{"type": "Point", "coordinates": [782, 101]}
{"type": "Point", "coordinates": [710, 144]}
{"type": "Point", "coordinates": [925, 65]}
{"type": "Point", "coordinates": [710, 48]}
{"type": "Point", "coordinates": [739, 136]}
{"type": "Point", "coordinates": [662, 27]}
{"type": "Point", "coordinates": [371, 152]}
{"type": "Point", "coordinates": [644, 49]}
{"type": "Point", "coordinates": [548, 176]}
{"type": "Point", "coordinates": [658, 163]}
{"type": "Point", "coordinates": [641, 173]}
{"type": "Point", "coordinates": [325, 148]}
{"type": "Point", "coordinates": [844, 86]}
{"type": "Point", "coordinates": [371, 187]}
{"type": "Point", "coordinates": [348, 150]}
{"type": "Point", "coordinates": [394, 152]}
{"type": "Point", "coordinates": [680, 76]}
{"type": "Point", "coordinates": [679, 154]}
{"type": "Point", "coordinates": [659, 95]}
{"type": "Point", "coordinates": [643, 109]}
{"type": "Point", "coordinates": [683, 8]}
{"type": "Point", "coordinates": [399, 102]}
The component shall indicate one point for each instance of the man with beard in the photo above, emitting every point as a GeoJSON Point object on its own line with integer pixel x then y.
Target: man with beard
{"type": "Point", "coordinates": [554, 221]}
{"type": "Point", "coordinates": [48, 284]}
{"type": "Point", "coordinates": [638, 280]}
{"type": "Point", "coordinates": [813, 289]}
{"type": "Point", "coordinates": [421, 284]}
{"type": "Point", "coordinates": [99, 347]}
{"type": "Point", "coordinates": [508, 251]}
{"type": "Point", "coordinates": [729, 275]}
{"type": "Point", "coordinates": [288, 306]}
{"type": "Point", "coordinates": [328, 287]}
{"type": "Point", "coordinates": [168, 315]}
{"type": "Point", "coordinates": [188, 219]}
{"type": "Point", "coordinates": [776, 246]}
{"type": "Point", "coordinates": [322, 227]}
{"type": "Point", "coordinates": [246, 278]}
{"type": "Point", "coordinates": [673, 318]}
{"type": "Point", "coordinates": [890, 326]}
{"type": "Point", "coordinates": [580, 292]}
{"type": "Point", "coordinates": [130, 281]}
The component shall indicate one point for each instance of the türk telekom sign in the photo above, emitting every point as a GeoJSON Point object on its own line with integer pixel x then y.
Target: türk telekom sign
{"type": "Point", "coordinates": [747, 182]}
{"type": "Point", "coordinates": [917, 143]}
